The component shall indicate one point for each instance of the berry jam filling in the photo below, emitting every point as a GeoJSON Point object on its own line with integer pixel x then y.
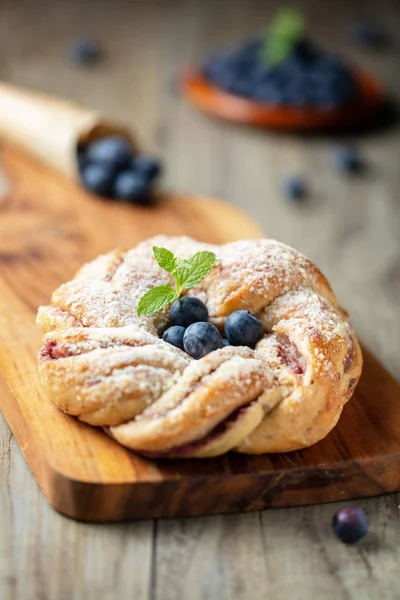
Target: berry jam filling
{"type": "Point", "coordinates": [214, 434]}
{"type": "Point", "coordinates": [290, 356]}
{"type": "Point", "coordinates": [53, 351]}
{"type": "Point", "coordinates": [348, 361]}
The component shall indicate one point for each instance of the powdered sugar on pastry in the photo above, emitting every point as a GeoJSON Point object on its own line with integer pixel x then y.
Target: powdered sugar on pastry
{"type": "Point", "coordinates": [107, 365]}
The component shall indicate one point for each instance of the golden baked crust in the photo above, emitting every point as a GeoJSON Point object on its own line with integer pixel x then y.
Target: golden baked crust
{"type": "Point", "coordinates": [105, 364]}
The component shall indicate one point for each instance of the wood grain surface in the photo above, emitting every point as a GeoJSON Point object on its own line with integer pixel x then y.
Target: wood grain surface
{"type": "Point", "coordinates": [349, 226]}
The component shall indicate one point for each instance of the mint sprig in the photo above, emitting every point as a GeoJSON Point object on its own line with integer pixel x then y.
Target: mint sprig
{"type": "Point", "coordinates": [187, 274]}
{"type": "Point", "coordinates": [286, 30]}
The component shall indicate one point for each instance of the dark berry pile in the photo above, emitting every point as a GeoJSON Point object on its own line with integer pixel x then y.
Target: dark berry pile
{"type": "Point", "coordinates": [308, 77]}
{"type": "Point", "coordinates": [191, 331]}
{"type": "Point", "coordinates": [109, 168]}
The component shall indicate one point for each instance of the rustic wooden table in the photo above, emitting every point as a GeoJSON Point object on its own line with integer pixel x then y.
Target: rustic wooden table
{"type": "Point", "coordinates": [350, 227]}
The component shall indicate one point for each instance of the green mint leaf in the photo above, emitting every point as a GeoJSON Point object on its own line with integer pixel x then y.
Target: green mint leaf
{"type": "Point", "coordinates": [181, 273]}
{"type": "Point", "coordinates": [201, 264]}
{"type": "Point", "coordinates": [165, 258]}
{"type": "Point", "coordinates": [155, 299]}
{"type": "Point", "coordinates": [286, 30]}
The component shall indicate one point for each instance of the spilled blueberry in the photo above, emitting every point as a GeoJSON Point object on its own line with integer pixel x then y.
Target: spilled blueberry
{"type": "Point", "coordinates": [294, 188]}
{"type": "Point", "coordinates": [242, 328]}
{"type": "Point", "coordinates": [131, 186]}
{"type": "Point", "coordinates": [174, 335]}
{"type": "Point", "coordinates": [350, 524]}
{"type": "Point", "coordinates": [98, 179]}
{"type": "Point", "coordinates": [146, 166]}
{"type": "Point", "coordinates": [369, 34]}
{"type": "Point", "coordinates": [188, 310]}
{"type": "Point", "coordinates": [113, 151]}
{"type": "Point", "coordinates": [347, 160]}
{"type": "Point", "coordinates": [85, 52]}
{"type": "Point", "coordinates": [201, 338]}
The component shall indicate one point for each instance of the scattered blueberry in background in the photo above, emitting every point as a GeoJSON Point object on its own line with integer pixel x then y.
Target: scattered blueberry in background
{"type": "Point", "coordinates": [114, 151]}
{"type": "Point", "coordinates": [350, 524]}
{"type": "Point", "coordinates": [174, 335]}
{"type": "Point", "coordinates": [243, 328]}
{"type": "Point", "coordinates": [225, 342]}
{"type": "Point", "coordinates": [294, 188]}
{"type": "Point", "coordinates": [131, 186]}
{"type": "Point", "coordinates": [201, 338]}
{"type": "Point", "coordinates": [85, 52]}
{"type": "Point", "coordinates": [98, 179]}
{"type": "Point", "coordinates": [347, 160]}
{"type": "Point", "coordinates": [110, 167]}
{"type": "Point", "coordinates": [369, 34]}
{"type": "Point", "coordinates": [188, 310]}
{"type": "Point", "coordinates": [147, 166]}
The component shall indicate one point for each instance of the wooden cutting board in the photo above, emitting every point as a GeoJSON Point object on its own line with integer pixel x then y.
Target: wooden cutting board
{"type": "Point", "coordinates": [48, 227]}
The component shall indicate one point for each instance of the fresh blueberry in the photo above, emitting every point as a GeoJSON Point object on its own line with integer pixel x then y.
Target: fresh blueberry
{"type": "Point", "coordinates": [350, 524]}
{"type": "Point", "coordinates": [225, 342]}
{"type": "Point", "coordinates": [243, 329]}
{"type": "Point", "coordinates": [294, 188]}
{"type": "Point", "coordinates": [131, 186]}
{"type": "Point", "coordinates": [148, 167]}
{"type": "Point", "coordinates": [85, 52]}
{"type": "Point", "coordinates": [369, 34]}
{"type": "Point", "coordinates": [201, 338]}
{"type": "Point", "coordinates": [98, 179]}
{"type": "Point", "coordinates": [307, 77]}
{"type": "Point", "coordinates": [347, 160]}
{"type": "Point", "coordinates": [188, 310]}
{"type": "Point", "coordinates": [174, 335]}
{"type": "Point", "coordinates": [114, 151]}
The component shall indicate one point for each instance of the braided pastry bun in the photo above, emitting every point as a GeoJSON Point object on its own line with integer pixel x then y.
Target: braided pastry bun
{"type": "Point", "coordinates": [105, 364]}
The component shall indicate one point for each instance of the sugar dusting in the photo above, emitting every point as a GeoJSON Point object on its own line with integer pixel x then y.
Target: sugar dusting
{"type": "Point", "coordinates": [306, 336]}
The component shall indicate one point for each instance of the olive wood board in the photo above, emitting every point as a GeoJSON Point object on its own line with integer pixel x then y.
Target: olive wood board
{"type": "Point", "coordinates": [48, 228]}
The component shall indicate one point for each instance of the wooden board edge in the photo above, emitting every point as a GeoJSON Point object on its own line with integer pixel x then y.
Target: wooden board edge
{"type": "Point", "coordinates": [231, 493]}
{"type": "Point", "coordinates": [205, 495]}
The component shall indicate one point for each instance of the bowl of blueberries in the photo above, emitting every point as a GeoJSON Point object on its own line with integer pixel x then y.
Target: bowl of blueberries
{"type": "Point", "coordinates": [110, 167]}
{"type": "Point", "coordinates": [282, 79]}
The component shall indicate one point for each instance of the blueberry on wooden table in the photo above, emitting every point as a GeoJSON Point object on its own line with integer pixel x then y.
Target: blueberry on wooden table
{"type": "Point", "coordinates": [131, 186]}
{"type": "Point", "coordinates": [85, 52]}
{"type": "Point", "coordinates": [98, 179]}
{"type": "Point", "coordinates": [350, 524]}
{"type": "Point", "coordinates": [146, 166]}
{"type": "Point", "coordinates": [294, 188]}
{"type": "Point", "coordinates": [347, 160]}
{"type": "Point", "coordinates": [242, 328]}
{"type": "Point", "coordinates": [369, 34]}
{"type": "Point", "coordinates": [174, 335]}
{"type": "Point", "coordinates": [201, 339]}
{"type": "Point", "coordinates": [188, 310]}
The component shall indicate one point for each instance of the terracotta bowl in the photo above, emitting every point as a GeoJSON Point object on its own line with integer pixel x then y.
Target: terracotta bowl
{"type": "Point", "coordinates": [230, 107]}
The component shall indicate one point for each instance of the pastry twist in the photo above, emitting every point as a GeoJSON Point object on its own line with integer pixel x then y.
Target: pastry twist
{"type": "Point", "coordinates": [105, 364]}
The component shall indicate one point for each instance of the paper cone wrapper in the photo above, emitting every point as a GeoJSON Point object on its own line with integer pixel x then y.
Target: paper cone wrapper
{"type": "Point", "coordinates": [51, 129]}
